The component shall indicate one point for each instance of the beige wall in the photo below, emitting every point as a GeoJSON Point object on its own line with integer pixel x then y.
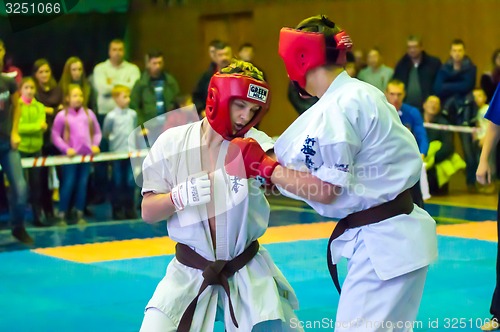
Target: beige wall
{"type": "Point", "coordinates": [177, 30]}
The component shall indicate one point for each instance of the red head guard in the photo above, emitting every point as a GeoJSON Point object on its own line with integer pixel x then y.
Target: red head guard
{"type": "Point", "coordinates": [302, 51]}
{"type": "Point", "coordinates": [223, 89]}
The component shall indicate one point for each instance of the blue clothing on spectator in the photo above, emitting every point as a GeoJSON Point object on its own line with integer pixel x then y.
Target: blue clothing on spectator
{"type": "Point", "coordinates": [412, 119]}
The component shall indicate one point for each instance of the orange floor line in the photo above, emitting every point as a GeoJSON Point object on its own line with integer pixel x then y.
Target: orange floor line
{"type": "Point", "coordinates": [138, 248]}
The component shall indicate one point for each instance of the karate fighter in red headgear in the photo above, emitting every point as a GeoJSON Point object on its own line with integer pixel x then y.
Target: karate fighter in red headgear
{"type": "Point", "coordinates": [220, 272]}
{"type": "Point", "coordinates": [349, 157]}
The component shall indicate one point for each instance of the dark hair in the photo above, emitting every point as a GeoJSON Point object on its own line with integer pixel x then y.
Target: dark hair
{"type": "Point", "coordinates": [36, 66]}
{"type": "Point", "coordinates": [154, 54]}
{"type": "Point", "coordinates": [349, 56]}
{"type": "Point", "coordinates": [220, 45]}
{"type": "Point", "coordinates": [245, 45]}
{"type": "Point", "coordinates": [322, 24]}
{"type": "Point", "coordinates": [243, 68]}
{"type": "Point", "coordinates": [414, 38]}
{"type": "Point", "coordinates": [457, 41]}
{"type": "Point", "coordinates": [214, 42]}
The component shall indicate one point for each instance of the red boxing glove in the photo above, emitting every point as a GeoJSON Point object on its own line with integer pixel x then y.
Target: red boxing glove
{"type": "Point", "coordinates": [255, 163]}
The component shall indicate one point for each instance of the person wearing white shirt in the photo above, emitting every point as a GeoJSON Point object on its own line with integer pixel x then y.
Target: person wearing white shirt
{"type": "Point", "coordinates": [114, 71]}
{"type": "Point", "coordinates": [220, 272]}
{"type": "Point", "coordinates": [349, 157]}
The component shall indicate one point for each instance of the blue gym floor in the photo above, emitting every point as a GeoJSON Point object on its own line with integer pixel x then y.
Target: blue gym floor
{"type": "Point", "coordinates": [39, 292]}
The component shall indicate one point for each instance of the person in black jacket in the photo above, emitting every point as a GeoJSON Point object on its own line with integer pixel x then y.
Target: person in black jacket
{"type": "Point", "coordinates": [222, 58]}
{"type": "Point", "coordinates": [417, 70]}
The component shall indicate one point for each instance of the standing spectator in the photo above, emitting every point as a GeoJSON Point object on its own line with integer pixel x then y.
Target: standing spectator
{"type": "Point", "coordinates": [411, 119]}
{"type": "Point", "coordinates": [75, 132]}
{"type": "Point", "coordinates": [10, 159]}
{"type": "Point", "coordinates": [32, 125]}
{"type": "Point", "coordinates": [116, 70]}
{"type": "Point", "coordinates": [50, 95]}
{"type": "Point", "coordinates": [156, 91]}
{"type": "Point", "coordinates": [6, 67]}
{"type": "Point", "coordinates": [454, 83]}
{"type": "Point", "coordinates": [376, 73]}
{"type": "Point", "coordinates": [490, 80]}
{"type": "Point", "coordinates": [74, 73]}
{"type": "Point", "coordinates": [417, 70]}
{"type": "Point", "coordinates": [222, 58]}
{"type": "Point", "coordinates": [359, 60]}
{"type": "Point", "coordinates": [118, 125]}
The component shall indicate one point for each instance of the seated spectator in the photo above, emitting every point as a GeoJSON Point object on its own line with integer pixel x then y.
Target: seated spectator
{"type": "Point", "coordinates": [481, 122]}
{"type": "Point", "coordinates": [32, 126]}
{"type": "Point", "coordinates": [411, 119]}
{"type": "Point", "coordinates": [376, 73]}
{"type": "Point", "coordinates": [490, 79]}
{"type": "Point", "coordinates": [441, 161]}
{"type": "Point", "coordinates": [75, 132]}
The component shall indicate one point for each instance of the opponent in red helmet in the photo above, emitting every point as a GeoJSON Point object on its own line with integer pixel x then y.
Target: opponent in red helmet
{"type": "Point", "coordinates": [239, 81]}
{"type": "Point", "coordinates": [315, 42]}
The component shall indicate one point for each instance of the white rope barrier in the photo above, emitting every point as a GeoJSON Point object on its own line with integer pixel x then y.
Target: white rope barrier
{"type": "Point", "coordinates": [458, 129]}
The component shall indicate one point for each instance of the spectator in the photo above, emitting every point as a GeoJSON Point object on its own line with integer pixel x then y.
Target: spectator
{"type": "Point", "coordinates": [417, 70]}
{"type": "Point", "coordinates": [246, 52]}
{"type": "Point", "coordinates": [10, 159]}
{"type": "Point", "coordinates": [118, 125]}
{"type": "Point", "coordinates": [6, 67]}
{"type": "Point", "coordinates": [116, 70]}
{"type": "Point", "coordinates": [359, 60]}
{"type": "Point", "coordinates": [32, 125]}
{"type": "Point", "coordinates": [156, 90]}
{"type": "Point", "coordinates": [74, 73]}
{"type": "Point", "coordinates": [441, 161]}
{"type": "Point", "coordinates": [222, 58]}
{"type": "Point", "coordinates": [490, 80]}
{"type": "Point", "coordinates": [75, 132]}
{"type": "Point", "coordinates": [481, 123]}
{"type": "Point", "coordinates": [454, 83]}
{"type": "Point", "coordinates": [376, 73]}
{"type": "Point", "coordinates": [211, 53]}
{"type": "Point", "coordinates": [411, 119]}
{"type": "Point", "coordinates": [50, 95]}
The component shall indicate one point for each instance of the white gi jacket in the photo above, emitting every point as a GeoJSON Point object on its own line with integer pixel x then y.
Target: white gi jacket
{"type": "Point", "coordinates": [353, 138]}
{"type": "Point", "coordinates": [243, 214]}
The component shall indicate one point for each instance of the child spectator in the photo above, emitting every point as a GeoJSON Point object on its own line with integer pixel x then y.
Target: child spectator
{"type": "Point", "coordinates": [75, 132]}
{"type": "Point", "coordinates": [32, 126]}
{"type": "Point", "coordinates": [118, 125]}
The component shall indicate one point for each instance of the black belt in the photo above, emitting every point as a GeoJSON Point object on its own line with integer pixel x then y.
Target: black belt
{"type": "Point", "coordinates": [402, 204]}
{"type": "Point", "coordinates": [214, 273]}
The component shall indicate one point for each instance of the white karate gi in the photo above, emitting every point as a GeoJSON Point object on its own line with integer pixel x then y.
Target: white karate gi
{"type": "Point", "coordinates": [259, 291]}
{"type": "Point", "coordinates": [366, 151]}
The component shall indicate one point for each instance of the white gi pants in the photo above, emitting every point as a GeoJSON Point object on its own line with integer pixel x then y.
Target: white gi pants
{"type": "Point", "coordinates": [156, 321]}
{"type": "Point", "coordinates": [368, 303]}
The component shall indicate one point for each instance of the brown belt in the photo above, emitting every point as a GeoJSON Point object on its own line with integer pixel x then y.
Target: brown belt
{"type": "Point", "coordinates": [402, 204]}
{"type": "Point", "coordinates": [214, 273]}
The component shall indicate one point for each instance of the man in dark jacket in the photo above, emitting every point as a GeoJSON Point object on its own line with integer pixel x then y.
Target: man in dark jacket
{"type": "Point", "coordinates": [155, 92]}
{"type": "Point", "coordinates": [454, 84]}
{"type": "Point", "coordinates": [222, 58]}
{"type": "Point", "coordinates": [417, 70]}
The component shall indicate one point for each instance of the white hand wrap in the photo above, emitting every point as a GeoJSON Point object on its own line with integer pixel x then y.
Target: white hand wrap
{"type": "Point", "coordinates": [195, 191]}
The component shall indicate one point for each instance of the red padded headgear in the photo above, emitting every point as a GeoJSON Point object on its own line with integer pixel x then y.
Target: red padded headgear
{"type": "Point", "coordinates": [303, 50]}
{"type": "Point", "coordinates": [223, 89]}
